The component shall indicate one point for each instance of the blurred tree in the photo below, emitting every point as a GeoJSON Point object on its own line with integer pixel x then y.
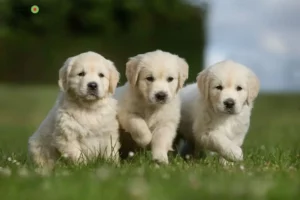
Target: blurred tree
{"type": "Point", "coordinates": [34, 46]}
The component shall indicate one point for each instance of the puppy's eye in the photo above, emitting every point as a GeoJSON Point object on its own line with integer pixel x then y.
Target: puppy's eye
{"type": "Point", "coordinates": [239, 88]}
{"type": "Point", "coordinates": [81, 74]}
{"type": "Point", "coordinates": [170, 79]}
{"type": "Point", "coordinates": [101, 75]}
{"type": "Point", "coordinates": [219, 87]}
{"type": "Point", "coordinates": [150, 78]}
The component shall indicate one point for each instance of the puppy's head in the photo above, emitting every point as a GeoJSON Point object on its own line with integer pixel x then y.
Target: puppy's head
{"type": "Point", "coordinates": [157, 75]}
{"type": "Point", "coordinates": [88, 76]}
{"type": "Point", "coordinates": [228, 86]}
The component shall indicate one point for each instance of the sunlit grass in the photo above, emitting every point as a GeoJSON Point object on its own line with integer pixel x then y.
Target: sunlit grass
{"type": "Point", "coordinates": [270, 169]}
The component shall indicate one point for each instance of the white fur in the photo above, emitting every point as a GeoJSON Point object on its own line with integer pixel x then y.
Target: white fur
{"type": "Point", "coordinates": [151, 122]}
{"type": "Point", "coordinates": [82, 125]}
{"type": "Point", "coordinates": [205, 120]}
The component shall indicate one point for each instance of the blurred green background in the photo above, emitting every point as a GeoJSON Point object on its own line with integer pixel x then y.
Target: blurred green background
{"type": "Point", "coordinates": [34, 46]}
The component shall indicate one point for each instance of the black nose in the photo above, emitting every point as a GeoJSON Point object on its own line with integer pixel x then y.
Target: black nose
{"type": "Point", "coordinates": [92, 85]}
{"type": "Point", "coordinates": [161, 96]}
{"type": "Point", "coordinates": [229, 103]}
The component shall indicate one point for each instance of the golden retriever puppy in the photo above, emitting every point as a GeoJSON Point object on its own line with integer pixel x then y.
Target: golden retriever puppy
{"type": "Point", "coordinates": [149, 104]}
{"type": "Point", "coordinates": [82, 125]}
{"type": "Point", "coordinates": [216, 110]}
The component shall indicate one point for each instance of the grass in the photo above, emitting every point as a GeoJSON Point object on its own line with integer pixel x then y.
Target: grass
{"type": "Point", "coordinates": [270, 169]}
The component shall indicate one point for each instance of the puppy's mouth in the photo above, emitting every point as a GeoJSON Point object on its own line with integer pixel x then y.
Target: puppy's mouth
{"type": "Point", "coordinates": [157, 102]}
{"type": "Point", "coordinates": [92, 95]}
{"type": "Point", "coordinates": [230, 111]}
{"type": "Point", "coordinates": [161, 101]}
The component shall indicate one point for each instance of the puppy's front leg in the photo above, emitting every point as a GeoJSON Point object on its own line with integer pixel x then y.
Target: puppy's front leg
{"type": "Point", "coordinates": [218, 142]}
{"type": "Point", "coordinates": [137, 127]}
{"type": "Point", "coordinates": [66, 138]}
{"type": "Point", "coordinates": [70, 150]}
{"type": "Point", "coordinates": [162, 139]}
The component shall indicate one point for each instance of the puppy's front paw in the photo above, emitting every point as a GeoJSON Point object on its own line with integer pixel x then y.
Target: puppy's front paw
{"type": "Point", "coordinates": [160, 157]}
{"type": "Point", "coordinates": [225, 162]}
{"type": "Point", "coordinates": [236, 153]}
{"type": "Point", "coordinates": [76, 157]}
{"type": "Point", "coordinates": [144, 140]}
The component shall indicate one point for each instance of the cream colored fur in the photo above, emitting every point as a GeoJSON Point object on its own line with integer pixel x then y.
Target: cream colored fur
{"type": "Point", "coordinates": [206, 122]}
{"type": "Point", "coordinates": [150, 122]}
{"type": "Point", "coordinates": [82, 125]}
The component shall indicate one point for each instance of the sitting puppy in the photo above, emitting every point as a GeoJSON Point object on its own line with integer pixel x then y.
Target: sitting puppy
{"type": "Point", "coordinates": [216, 111]}
{"type": "Point", "coordinates": [149, 104]}
{"type": "Point", "coordinates": [82, 125]}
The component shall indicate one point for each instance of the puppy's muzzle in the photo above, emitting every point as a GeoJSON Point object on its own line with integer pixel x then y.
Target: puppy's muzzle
{"type": "Point", "coordinates": [93, 86]}
{"type": "Point", "coordinates": [93, 89]}
{"type": "Point", "coordinates": [229, 103]}
{"type": "Point", "coordinates": [161, 96]}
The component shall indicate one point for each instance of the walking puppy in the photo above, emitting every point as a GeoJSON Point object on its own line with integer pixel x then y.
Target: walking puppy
{"type": "Point", "coordinates": [82, 125]}
{"type": "Point", "coordinates": [149, 104]}
{"type": "Point", "coordinates": [216, 110]}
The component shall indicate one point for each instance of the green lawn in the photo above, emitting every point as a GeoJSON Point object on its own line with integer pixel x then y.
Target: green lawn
{"type": "Point", "coordinates": [270, 169]}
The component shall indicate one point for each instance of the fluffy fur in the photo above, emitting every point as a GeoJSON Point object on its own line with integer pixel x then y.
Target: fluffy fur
{"type": "Point", "coordinates": [216, 110]}
{"type": "Point", "coordinates": [82, 125]}
{"type": "Point", "coordinates": [149, 104]}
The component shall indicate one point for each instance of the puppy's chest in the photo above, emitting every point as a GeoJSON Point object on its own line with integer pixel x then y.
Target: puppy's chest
{"type": "Point", "coordinates": [151, 117]}
{"type": "Point", "coordinates": [163, 115]}
{"type": "Point", "coordinates": [233, 128]}
{"type": "Point", "coordinates": [93, 125]}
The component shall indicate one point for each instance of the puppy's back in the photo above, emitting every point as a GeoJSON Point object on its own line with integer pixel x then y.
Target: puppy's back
{"type": "Point", "coordinates": [47, 126]}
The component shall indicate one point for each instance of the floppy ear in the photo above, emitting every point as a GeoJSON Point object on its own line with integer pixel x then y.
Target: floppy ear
{"type": "Point", "coordinates": [133, 69]}
{"type": "Point", "coordinates": [114, 77]}
{"type": "Point", "coordinates": [183, 72]}
{"type": "Point", "coordinates": [253, 87]}
{"type": "Point", "coordinates": [203, 82]}
{"type": "Point", "coordinates": [64, 73]}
